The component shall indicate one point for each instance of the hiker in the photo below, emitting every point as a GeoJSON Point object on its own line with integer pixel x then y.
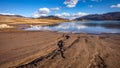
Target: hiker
{"type": "Point", "coordinates": [67, 36]}
{"type": "Point", "coordinates": [60, 45]}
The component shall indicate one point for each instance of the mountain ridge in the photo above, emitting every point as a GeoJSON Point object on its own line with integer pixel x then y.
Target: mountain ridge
{"type": "Point", "coordinates": [105, 16]}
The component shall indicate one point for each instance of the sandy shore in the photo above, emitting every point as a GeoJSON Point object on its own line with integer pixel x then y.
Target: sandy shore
{"type": "Point", "coordinates": [34, 50]}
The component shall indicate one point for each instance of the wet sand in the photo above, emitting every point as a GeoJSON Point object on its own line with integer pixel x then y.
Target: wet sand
{"type": "Point", "coordinates": [35, 49]}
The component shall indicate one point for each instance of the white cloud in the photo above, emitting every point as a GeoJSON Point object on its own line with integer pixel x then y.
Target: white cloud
{"type": "Point", "coordinates": [79, 14]}
{"type": "Point", "coordinates": [65, 14]}
{"type": "Point", "coordinates": [55, 9]}
{"type": "Point", "coordinates": [71, 16]}
{"type": "Point", "coordinates": [41, 12]}
{"type": "Point", "coordinates": [71, 3]}
{"type": "Point", "coordinates": [7, 14]}
{"type": "Point", "coordinates": [59, 15]}
{"type": "Point", "coordinates": [12, 14]}
{"type": "Point", "coordinates": [115, 6]}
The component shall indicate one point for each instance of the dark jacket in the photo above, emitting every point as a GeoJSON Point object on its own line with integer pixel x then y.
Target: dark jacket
{"type": "Point", "coordinates": [60, 43]}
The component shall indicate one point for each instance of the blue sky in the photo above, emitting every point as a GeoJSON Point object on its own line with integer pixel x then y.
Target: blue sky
{"type": "Point", "coordinates": [59, 7]}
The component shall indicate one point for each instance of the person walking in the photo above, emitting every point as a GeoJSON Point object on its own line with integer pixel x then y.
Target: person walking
{"type": "Point", "coordinates": [60, 45]}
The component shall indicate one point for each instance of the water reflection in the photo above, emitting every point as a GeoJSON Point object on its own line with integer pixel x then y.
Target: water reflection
{"type": "Point", "coordinates": [84, 27]}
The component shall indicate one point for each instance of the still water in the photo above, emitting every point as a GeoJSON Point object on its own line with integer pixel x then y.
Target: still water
{"type": "Point", "coordinates": [82, 27]}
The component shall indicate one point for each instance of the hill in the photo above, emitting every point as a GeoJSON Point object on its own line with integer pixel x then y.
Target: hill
{"type": "Point", "coordinates": [106, 16]}
{"type": "Point", "coordinates": [18, 19]}
{"type": "Point", "coordinates": [51, 17]}
{"type": "Point", "coordinates": [11, 15]}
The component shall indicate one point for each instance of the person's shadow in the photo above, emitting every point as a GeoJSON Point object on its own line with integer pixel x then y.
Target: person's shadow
{"type": "Point", "coordinates": [60, 51]}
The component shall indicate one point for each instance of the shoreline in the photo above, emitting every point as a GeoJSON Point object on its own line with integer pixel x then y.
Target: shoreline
{"type": "Point", "coordinates": [21, 30]}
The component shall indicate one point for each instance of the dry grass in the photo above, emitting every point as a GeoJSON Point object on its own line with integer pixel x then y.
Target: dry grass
{"type": "Point", "coordinates": [21, 20]}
